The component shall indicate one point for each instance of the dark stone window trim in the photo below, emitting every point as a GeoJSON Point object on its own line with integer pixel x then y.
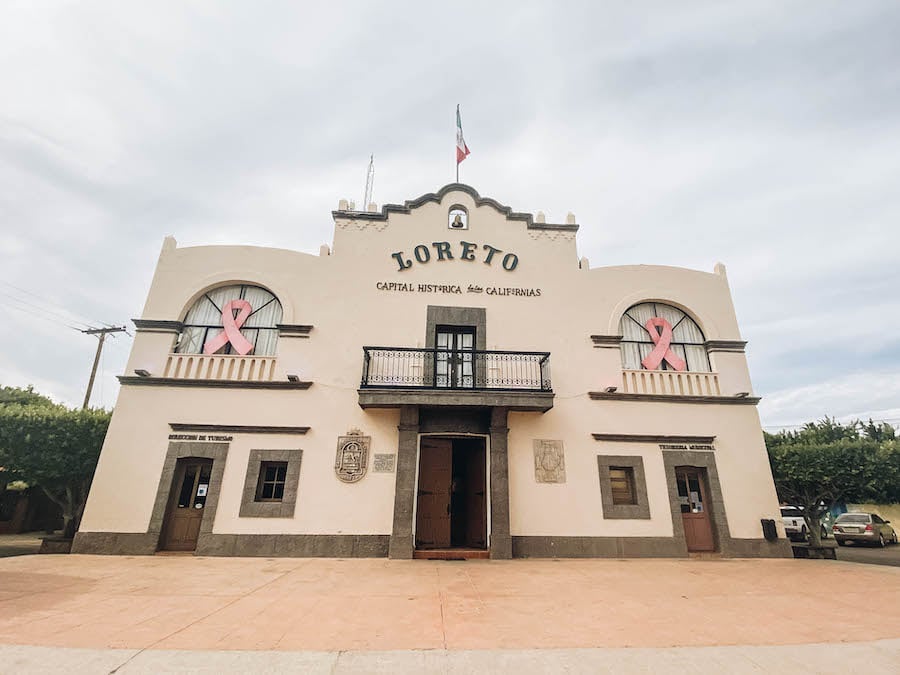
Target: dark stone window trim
{"type": "Point", "coordinates": [250, 507]}
{"type": "Point", "coordinates": [638, 511]}
{"type": "Point", "coordinates": [456, 316]}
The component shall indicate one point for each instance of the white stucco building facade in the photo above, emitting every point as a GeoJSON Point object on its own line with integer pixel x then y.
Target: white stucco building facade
{"type": "Point", "coordinates": [446, 379]}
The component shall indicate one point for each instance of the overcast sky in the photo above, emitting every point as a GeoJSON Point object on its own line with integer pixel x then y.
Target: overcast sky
{"type": "Point", "coordinates": [765, 135]}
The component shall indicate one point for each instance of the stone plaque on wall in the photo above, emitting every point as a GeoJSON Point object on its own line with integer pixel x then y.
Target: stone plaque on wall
{"type": "Point", "coordinates": [549, 461]}
{"type": "Point", "coordinates": [383, 463]}
{"type": "Point", "coordinates": [352, 458]}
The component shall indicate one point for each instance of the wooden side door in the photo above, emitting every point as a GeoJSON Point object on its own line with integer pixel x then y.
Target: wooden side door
{"type": "Point", "coordinates": [186, 504]}
{"type": "Point", "coordinates": [433, 498]}
{"type": "Point", "coordinates": [692, 497]}
{"type": "Point", "coordinates": [476, 516]}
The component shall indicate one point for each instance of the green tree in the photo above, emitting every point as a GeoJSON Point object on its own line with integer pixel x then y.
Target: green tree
{"type": "Point", "coordinates": [826, 463]}
{"type": "Point", "coordinates": [20, 396]}
{"type": "Point", "coordinates": [53, 447]}
{"type": "Point", "coordinates": [884, 482]}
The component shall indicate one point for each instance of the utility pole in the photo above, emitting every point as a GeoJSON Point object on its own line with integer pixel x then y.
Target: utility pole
{"type": "Point", "coordinates": [101, 334]}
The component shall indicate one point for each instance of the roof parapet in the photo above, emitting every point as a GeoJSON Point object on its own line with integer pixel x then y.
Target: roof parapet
{"type": "Point", "coordinates": [347, 209]}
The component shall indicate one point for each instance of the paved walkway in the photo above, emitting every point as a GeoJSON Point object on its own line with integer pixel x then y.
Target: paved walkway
{"type": "Point", "coordinates": [20, 544]}
{"type": "Point", "coordinates": [445, 616]}
{"type": "Point", "coordinates": [874, 658]}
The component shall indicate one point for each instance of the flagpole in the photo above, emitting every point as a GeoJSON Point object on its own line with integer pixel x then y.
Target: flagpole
{"type": "Point", "coordinates": [456, 151]}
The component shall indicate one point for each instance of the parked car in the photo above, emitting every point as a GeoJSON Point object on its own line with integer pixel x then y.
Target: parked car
{"type": "Point", "coordinates": [863, 528]}
{"type": "Point", "coordinates": [795, 525]}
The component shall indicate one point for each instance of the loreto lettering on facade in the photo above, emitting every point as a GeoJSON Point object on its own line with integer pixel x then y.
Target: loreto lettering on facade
{"type": "Point", "coordinates": [442, 251]}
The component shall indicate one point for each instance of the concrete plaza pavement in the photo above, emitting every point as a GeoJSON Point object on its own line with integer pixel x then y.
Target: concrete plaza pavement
{"type": "Point", "coordinates": [137, 614]}
{"type": "Point", "coordinates": [26, 543]}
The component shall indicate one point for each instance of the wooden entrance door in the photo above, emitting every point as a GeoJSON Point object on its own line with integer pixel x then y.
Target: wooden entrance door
{"type": "Point", "coordinates": [187, 502]}
{"type": "Point", "coordinates": [692, 497]}
{"type": "Point", "coordinates": [433, 502]}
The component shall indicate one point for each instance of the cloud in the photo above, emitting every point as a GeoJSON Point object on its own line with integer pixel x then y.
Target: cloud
{"type": "Point", "coordinates": [761, 134]}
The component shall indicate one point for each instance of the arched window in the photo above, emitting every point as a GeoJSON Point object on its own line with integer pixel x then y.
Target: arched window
{"type": "Point", "coordinates": [686, 341]}
{"type": "Point", "coordinates": [256, 314]}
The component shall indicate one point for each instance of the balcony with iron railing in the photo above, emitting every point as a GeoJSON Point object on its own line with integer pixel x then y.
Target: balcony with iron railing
{"type": "Point", "coordinates": [394, 376]}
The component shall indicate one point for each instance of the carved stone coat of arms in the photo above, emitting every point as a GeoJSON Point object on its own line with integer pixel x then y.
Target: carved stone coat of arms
{"type": "Point", "coordinates": [352, 458]}
{"type": "Point", "coordinates": [549, 461]}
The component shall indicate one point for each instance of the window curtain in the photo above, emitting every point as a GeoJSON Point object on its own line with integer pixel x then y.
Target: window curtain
{"type": "Point", "coordinates": [204, 320]}
{"type": "Point", "coordinates": [687, 338]}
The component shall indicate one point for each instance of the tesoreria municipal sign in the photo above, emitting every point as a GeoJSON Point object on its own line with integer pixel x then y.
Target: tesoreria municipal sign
{"type": "Point", "coordinates": [444, 251]}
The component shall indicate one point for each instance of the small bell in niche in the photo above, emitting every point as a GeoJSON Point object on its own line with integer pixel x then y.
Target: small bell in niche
{"type": "Point", "coordinates": [458, 219]}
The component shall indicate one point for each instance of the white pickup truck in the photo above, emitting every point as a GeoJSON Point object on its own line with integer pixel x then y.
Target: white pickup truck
{"type": "Point", "coordinates": [795, 525]}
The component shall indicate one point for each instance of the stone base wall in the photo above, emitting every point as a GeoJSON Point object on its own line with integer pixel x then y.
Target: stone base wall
{"type": "Point", "coordinates": [597, 547]}
{"type": "Point", "coordinates": [115, 543]}
{"type": "Point", "coordinates": [376, 546]}
{"type": "Point", "coordinates": [639, 547]}
{"type": "Point", "coordinates": [295, 545]}
{"type": "Point", "coordinates": [242, 545]}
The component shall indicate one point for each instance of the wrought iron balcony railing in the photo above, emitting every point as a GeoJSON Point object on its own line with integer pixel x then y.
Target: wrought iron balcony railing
{"type": "Point", "coordinates": [412, 368]}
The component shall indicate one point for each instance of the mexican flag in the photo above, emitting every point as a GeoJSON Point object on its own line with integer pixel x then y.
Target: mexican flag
{"type": "Point", "coordinates": [461, 149]}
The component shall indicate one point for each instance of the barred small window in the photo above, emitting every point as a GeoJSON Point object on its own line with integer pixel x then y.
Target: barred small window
{"type": "Point", "coordinates": [621, 480]}
{"type": "Point", "coordinates": [272, 476]}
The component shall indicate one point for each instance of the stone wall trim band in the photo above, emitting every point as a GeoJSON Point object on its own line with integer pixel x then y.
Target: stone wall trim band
{"type": "Point", "coordinates": [132, 380]}
{"type": "Point", "coordinates": [673, 398]}
{"type": "Point", "coordinates": [158, 325]}
{"type": "Point", "coordinates": [293, 330]}
{"type": "Point", "coordinates": [606, 341]}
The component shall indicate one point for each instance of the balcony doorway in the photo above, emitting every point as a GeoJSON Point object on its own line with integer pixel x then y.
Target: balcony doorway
{"type": "Point", "coordinates": [454, 358]}
{"type": "Point", "coordinates": [451, 503]}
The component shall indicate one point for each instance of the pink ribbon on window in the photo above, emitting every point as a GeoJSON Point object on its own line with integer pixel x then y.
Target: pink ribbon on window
{"type": "Point", "coordinates": [662, 350]}
{"type": "Point", "coordinates": [232, 333]}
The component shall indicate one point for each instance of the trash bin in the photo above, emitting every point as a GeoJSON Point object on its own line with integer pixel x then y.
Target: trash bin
{"type": "Point", "coordinates": [768, 527]}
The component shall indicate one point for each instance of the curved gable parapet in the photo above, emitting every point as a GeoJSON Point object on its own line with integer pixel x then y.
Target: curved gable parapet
{"type": "Point", "coordinates": [437, 197]}
{"type": "Point", "coordinates": [702, 295]}
{"type": "Point", "coordinates": [650, 269]}
{"type": "Point", "coordinates": [248, 248]}
{"type": "Point", "coordinates": [186, 273]}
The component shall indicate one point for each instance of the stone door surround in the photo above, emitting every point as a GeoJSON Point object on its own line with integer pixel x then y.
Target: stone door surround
{"type": "Point", "coordinates": [412, 421]}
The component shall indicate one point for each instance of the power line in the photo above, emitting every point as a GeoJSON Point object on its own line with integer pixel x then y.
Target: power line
{"type": "Point", "coordinates": [41, 316]}
{"type": "Point", "coordinates": [57, 315]}
{"type": "Point", "coordinates": [71, 316]}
